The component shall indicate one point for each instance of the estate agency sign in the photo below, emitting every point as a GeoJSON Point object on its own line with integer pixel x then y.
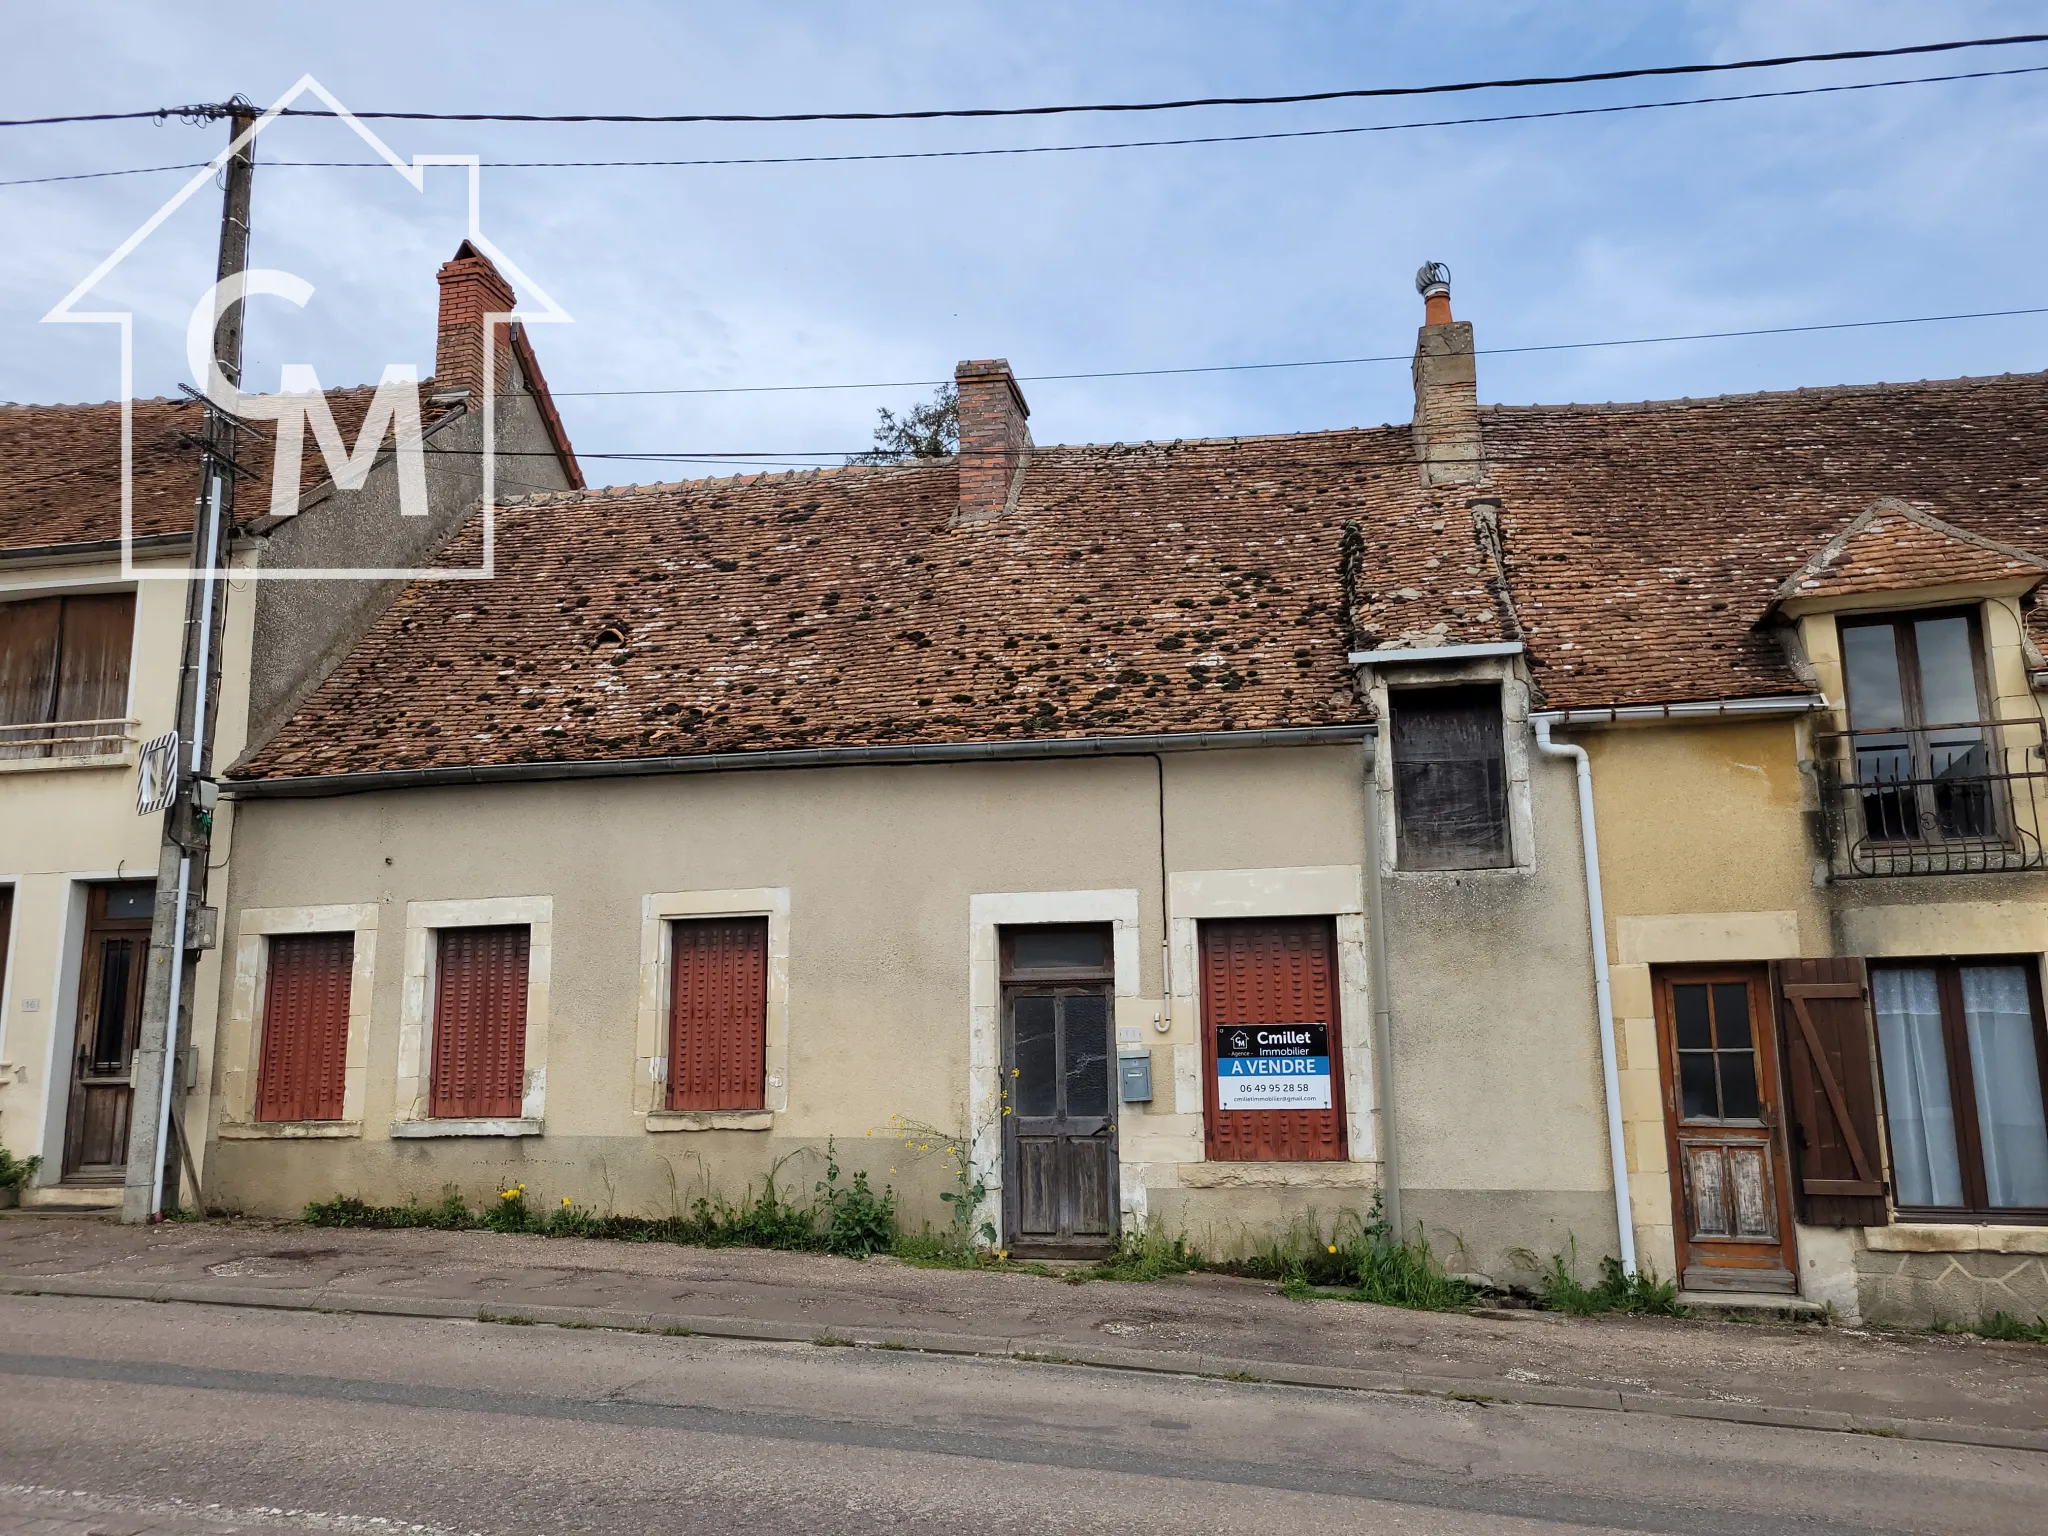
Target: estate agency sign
{"type": "Point", "coordinates": [1273, 1066]}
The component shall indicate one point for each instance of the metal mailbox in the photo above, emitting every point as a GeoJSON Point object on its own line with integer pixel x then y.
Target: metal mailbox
{"type": "Point", "coordinates": [1134, 1071]}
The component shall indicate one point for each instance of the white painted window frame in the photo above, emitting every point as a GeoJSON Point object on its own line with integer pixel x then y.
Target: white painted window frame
{"type": "Point", "coordinates": [987, 914]}
{"type": "Point", "coordinates": [1327, 890]}
{"type": "Point", "coordinates": [659, 912]}
{"type": "Point", "coordinates": [255, 927]}
{"type": "Point", "coordinates": [424, 921]}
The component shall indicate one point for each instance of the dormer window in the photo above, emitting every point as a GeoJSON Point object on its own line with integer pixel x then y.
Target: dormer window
{"type": "Point", "coordinates": [1919, 730]}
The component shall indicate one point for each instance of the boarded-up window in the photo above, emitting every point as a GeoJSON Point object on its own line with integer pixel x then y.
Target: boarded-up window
{"type": "Point", "coordinates": [718, 1013]}
{"type": "Point", "coordinates": [304, 1065]}
{"type": "Point", "coordinates": [1830, 1093]}
{"type": "Point", "coordinates": [1450, 784]}
{"type": "Point", "coordinates": [479, 1023]}
{"type": "Point", "coordinates": [1277, 977]}
{"type": "Point", "coordinates": [64, 662]}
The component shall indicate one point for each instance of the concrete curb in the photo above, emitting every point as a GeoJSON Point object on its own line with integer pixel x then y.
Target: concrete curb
{"type": "Point", "coordinates": [1039, 1351]}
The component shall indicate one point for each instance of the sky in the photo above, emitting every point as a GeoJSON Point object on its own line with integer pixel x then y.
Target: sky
{"type": "Point", "coordinates": [1917, 200]}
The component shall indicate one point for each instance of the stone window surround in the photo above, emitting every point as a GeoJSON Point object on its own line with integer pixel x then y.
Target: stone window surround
{"type": "Point", "coordinates": [650, 1066]}
{"type": "Point", "coordinates": [255, 927]}
{"type": "Point", "coordinates": [1507, 671]}
{"type": "Point", "coordinates": [423, 920]}
{"type": "Point", "coordinates": [987, 913]}
{"type": "Point", "coordinates": [1955, 1237]}
{"type": "Point", "coordinates": [1329, 890]}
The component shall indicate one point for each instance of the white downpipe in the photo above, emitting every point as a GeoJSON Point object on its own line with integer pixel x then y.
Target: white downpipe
{"type": "Point", "coordinates": [1596, 915]}
{"type": "Point", "coordinates": [205, 635]}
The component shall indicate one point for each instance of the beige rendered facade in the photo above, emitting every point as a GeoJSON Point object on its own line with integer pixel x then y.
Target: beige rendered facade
{"type": "Point", "coordinates": [69, 823]}
{"type": "Point", "coordinates": [1714, 850]}
{"type": "Point", "coordinates": [885, 888]}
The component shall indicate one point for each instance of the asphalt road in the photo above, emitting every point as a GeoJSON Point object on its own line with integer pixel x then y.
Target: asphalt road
{"type": "Point", "coordinates": [119, 1417]}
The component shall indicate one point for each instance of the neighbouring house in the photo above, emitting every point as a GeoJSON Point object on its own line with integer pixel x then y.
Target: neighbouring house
{"type": "Point", "coordinates": [1798, 637]}
{"type": "Point", "coordinates": [1197, 833]}
{"type": "Point", "coordinates": [89, 665]}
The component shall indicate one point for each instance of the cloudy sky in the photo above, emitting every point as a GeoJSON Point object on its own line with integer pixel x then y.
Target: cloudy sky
{"type": "Point", "coordinates": [1922, 199]}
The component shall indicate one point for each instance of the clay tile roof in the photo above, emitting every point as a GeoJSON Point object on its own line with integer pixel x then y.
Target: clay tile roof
{"type": "Point", "coordinates": [1893, 547]}
{"type": "Point", "coordinates": [60, 468]}
{"type": "Point", "coordinates": [1155, 587]}
{"type": "Point", "coordinates": [1647, 543]}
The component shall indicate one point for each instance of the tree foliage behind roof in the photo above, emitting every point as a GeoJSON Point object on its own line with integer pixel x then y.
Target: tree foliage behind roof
{"type": "Point", "coordinates": [927, 431]}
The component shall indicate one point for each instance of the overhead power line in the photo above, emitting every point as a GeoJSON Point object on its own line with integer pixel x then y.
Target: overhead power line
{"type": "Point", "coordinates": [1324, 362]}
{"type": "Point", "coordinates": [1067, 149]}
{"type": "Point", "coordinates": [204, 112]}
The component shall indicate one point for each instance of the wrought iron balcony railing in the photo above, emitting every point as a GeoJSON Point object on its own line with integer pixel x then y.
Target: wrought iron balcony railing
{"type": "Point", "coordinates": [65, 739]}
{"type": "Point", "coordinates": [1934, 800]}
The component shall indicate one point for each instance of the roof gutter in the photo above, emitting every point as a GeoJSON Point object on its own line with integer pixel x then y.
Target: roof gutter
{"type": "Point", "coordinates": [92, 549]}
{"type": "Point", "coordinates": [1698, 709]}
{"type": "Point", "coordinates": [320, 786]}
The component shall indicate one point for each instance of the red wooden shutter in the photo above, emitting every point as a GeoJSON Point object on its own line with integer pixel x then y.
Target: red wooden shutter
{"type": "Point", "coordinates": [304, 1065]}
{"type": "Point", "coordinates": [1830, 1093]}
{"type": "Point", "coordinates": [479, 1066]}
{"type": "Point", "coordinates": [1271, 971]}
{"type": "Point", "coordinates": [718, 1013]}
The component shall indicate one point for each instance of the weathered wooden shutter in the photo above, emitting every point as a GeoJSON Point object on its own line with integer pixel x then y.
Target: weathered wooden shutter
{"type": "Point", "coordinates": [479, 1065]}
{"type": "Point", "coordinates": [1830, 1091]}
{"type": "Point", "coordinates": [28, 672]}
{"type": "Point", "coordinates": [92, 667]}
{"type": "Point", "coordinates": [304, 1066]}
{"type": "Point", "coordinates": [1271, 971]}
{"type": "Point", "coordinates": [1450, 778]}
{"type": "Point", "coordinates": [718, 1013]}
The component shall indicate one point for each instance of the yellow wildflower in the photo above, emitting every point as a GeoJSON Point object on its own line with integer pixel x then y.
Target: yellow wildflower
{"type": "Point", "coordinates": [1333, 1247]}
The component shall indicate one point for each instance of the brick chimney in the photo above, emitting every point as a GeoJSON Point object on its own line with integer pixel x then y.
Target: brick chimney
{"type": "Point", "coordinates": [995, 443]}
{"type": "Point", "coordinates": [471, 288]}
{"type": "Point", "coordinates": [1446, 428]}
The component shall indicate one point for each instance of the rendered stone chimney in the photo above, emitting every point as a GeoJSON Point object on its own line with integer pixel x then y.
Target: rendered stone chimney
{"type": "Point", "coordinates": [995, 442]}
{"type": "Point", "coordinates": [1446, 428]}
{"type": "Point", "coordinates": [471, 288]}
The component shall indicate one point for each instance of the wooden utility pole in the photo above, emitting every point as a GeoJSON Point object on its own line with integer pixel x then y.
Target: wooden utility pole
{"type": "Point", "coordinates": [153, 1123]}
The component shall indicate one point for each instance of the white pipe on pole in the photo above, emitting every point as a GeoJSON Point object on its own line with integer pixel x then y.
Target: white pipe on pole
{"type": "Point", "coordinates": [1596, 914]}
{"type": "Point", "coordinates": [163, 1117]}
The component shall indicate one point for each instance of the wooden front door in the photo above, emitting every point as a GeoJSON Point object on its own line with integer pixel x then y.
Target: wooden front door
{"type": "Point", "coordinates": [112, 962]}
{"type": "Point", "coordinates": [1059, 1121]}
{"type": "Point", "coordinates": [1722, 1117]}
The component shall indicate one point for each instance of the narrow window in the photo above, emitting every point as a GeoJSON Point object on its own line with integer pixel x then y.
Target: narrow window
{"type": "Point", "coordinates": [1962, 1050]}
{"type": "Point", "coordinates": [1450, 782]}
{"type": "Point", "coordinates": [304, 1066]}
{"type": "Point", "coordinates": [64, 675]}
{"type": "Point", "coordinates": [718, 1013]}
{"type": "Point", "coordinates": [479, 1054]}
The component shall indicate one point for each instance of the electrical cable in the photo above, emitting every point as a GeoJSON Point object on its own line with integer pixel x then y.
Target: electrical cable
{"type": "Point", "coordinates": [206, 112]}
{"type": "Point", "coordinates": [1323, 362]}
{"type": "Point", "coordinates": [1068, 149]}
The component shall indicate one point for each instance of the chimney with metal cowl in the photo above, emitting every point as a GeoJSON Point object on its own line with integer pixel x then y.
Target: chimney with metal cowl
{"type": "Point", "coordinates": [1446, 428]}
{"type": "Point", "coordinates": [995, 442]}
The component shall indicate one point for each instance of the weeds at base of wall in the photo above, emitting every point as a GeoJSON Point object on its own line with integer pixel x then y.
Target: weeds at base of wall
{"type": "Point", "coordinates": [1641, 1294]}
{"type": "Point", "coordinates": [1356, 1260]}
{"type": "Point", "coordinates": [2002, 1327]}
{"type": "Point", "coordinates": [851, 1219]}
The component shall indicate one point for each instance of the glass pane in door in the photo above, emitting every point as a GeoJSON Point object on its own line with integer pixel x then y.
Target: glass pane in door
{"type": "Point", "coordinates": [1918, 1106]}
{"type": "Point", "coordinates": [1998, 1016]}
{"type": "Point", "coordinates": [1087, 1053]}
{"type": "Point", "coordinates": [1035, 1087]}
{"type": "Point", "coordinates": [110, 1021]}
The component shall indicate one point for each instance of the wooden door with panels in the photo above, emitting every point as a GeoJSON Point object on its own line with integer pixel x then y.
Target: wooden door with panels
{"type": "Point", "coordinates": [1723, 1119]}
{"type": "Point", "coordinates": [112, 961]}
{"type": "Point", "coordinates": [1058, 1099]}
